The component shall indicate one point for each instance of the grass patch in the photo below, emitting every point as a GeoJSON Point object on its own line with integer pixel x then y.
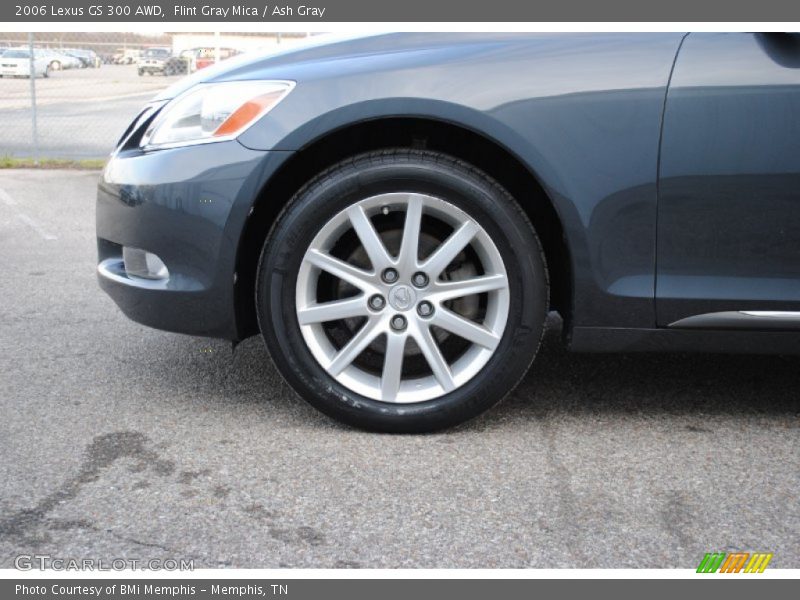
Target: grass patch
{"type": "Point", "coordinates": [11, 162]}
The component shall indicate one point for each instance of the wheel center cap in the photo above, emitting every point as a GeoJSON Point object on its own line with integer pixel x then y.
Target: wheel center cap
{"type": "Point", "coordinates": [402, 297]}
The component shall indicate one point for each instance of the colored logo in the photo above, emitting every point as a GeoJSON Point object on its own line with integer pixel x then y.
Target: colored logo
{"type": "Point", "coordinates": [735, 562]}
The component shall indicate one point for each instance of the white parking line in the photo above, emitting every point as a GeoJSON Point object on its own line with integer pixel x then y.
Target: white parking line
{"type": "Point", "coordinates": [21, 216]}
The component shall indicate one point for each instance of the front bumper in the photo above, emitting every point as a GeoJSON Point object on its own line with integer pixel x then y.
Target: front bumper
{"type": "Point", "coordinates": [15, 71]}
{"type": "Point", "coordinates": [189, 206]}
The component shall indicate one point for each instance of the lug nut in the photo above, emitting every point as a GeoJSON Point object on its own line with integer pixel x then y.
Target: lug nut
{"type": "Point", "coordinates": [377, 302]}
{"type": "Point", "coordinates": [425, 309]}
{"type": "Point", "coordinates": [390, 275]}
{"type": "Point", "coordinates": [398, 322]}
{"type": "Point", "coordinates": [419, 279]}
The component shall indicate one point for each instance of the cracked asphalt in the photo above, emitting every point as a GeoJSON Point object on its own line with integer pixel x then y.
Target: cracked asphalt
{"type": "Point", "coordinates": [117, 441]}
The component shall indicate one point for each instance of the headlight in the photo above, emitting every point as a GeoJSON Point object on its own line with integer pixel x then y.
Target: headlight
{"type": "Point", "coordinates": [214, 112]}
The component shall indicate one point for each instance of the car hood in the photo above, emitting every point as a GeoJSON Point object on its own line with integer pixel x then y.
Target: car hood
{"type": "Point", "coordinates": [326, 54]}
{"type": "Point", "coordinates": [237, 67]}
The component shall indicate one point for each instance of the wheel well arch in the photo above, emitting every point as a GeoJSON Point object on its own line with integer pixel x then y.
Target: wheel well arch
{"type": "Point", "coordinates": [403, 132]}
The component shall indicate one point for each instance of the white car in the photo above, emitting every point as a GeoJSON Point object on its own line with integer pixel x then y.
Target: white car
{"type": "Point", "coordinates": [58, 61]}
{"type": "Point", "coordinates": [16, 63]}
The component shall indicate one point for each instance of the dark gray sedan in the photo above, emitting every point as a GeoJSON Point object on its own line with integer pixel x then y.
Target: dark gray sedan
{"type": "Point", "coordinates": [397, 214]}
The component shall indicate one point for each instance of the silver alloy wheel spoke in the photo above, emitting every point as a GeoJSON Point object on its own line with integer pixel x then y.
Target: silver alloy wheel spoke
{"type": "Point", "coordinates": [409, 246]}
{"type": "Point", "coordinates": [344, 271]}
{"type": "Point", "coordinates": [464, 328]}
{"type": "Point", "coordinates": [333, 310]}
{"type": "Point", "coordinates": [439, 367]}
{"type": "Point", "coordinates": [354, 347]}
{"type": "Point", "coordinates": [450, 248]}
{"type": "Point", "coordinates": [370, 239]}
{"type": "Point", "coordinates": [392, 366]}
{"type": "Point", "coordinates": [418, 296]}
{"type": "Point", "coordinates": [449, 290]}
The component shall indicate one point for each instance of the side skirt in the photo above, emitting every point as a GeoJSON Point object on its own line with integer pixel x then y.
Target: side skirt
{"type": "Point", "coordinates": [611, 339]}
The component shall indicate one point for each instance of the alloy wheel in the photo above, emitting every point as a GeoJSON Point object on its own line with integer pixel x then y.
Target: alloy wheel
{"type": "Point", "coordinates": [402, 297]}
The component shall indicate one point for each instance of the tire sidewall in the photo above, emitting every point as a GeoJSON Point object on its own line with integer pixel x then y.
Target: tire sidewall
{"type": "Point", "coordinates": [409, 172]}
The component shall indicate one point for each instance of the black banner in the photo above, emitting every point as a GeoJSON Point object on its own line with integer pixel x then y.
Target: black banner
{"type": "Point", "coordinates": [249, 11]}
{"type": "Point", "coordinates": [334, 589]}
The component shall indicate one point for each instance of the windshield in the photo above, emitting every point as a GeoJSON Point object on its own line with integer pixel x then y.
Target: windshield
{"type": "Point", "coordinates": [15, 54]}
{"type": "Point", "coordinates": [156, 52]}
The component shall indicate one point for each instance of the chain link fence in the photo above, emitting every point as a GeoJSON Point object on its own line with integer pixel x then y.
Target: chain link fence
{"type": "Point", "coordinates": [86, 87]}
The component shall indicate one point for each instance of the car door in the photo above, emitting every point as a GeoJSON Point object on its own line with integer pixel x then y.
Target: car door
{"type": "Point", "coordinates": [728, 234]}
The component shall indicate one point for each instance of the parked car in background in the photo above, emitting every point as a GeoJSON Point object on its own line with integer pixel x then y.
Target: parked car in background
{"type": "Point", "coordinates": [397, 214]}
{"type": "Point", "coordinates": [127, 56]}
{"type": "Point", "coordinates": [59, 61]}
{"type": "Point", "coordinates": [16, 62]}
{"type": "Point", "coordinates": [107, 58]}
{"type": "Point", "coordinates": [200, 58]}
{"type": "Point", "coordinates": [161, 61]}
{"type": "Point", "coordinates": [88, 58]}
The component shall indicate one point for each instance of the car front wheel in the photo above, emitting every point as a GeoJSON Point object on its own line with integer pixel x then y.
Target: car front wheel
{"type": "Point", "coordinates": [402, 291]}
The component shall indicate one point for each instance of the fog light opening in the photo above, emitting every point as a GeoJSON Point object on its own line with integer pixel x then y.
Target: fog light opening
{"type": "Point", "coordinates": [144, 265]}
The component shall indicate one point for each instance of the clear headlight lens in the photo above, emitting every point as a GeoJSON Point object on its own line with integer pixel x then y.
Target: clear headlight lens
{"type": "Point", "coordinates": [216, 111]}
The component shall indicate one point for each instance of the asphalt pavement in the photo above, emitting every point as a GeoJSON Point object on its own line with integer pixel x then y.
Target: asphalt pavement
{"type": "Point", "coordinates": [118, 441]}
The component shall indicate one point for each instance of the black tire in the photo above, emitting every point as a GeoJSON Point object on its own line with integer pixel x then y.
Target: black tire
{"type": "Point", "coordinates": [402, 170]}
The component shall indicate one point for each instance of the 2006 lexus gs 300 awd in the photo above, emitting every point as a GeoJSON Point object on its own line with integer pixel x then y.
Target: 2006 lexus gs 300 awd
{"type": "Point", "coordinates": [397, 214]}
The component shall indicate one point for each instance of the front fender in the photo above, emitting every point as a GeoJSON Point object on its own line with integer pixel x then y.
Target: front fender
{"type": "Point", "coordinates": [582, 115]}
